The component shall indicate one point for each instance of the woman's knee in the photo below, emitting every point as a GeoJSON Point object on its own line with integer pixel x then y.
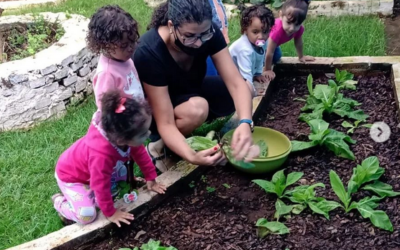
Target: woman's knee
{"type": "Point", "coordinates": [194, 110]}
{"type": "Point", "coordinates": [86, 215]}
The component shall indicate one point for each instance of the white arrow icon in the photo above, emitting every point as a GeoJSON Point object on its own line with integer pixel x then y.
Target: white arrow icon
{"type": "Point", "coordinates": [380, 132]}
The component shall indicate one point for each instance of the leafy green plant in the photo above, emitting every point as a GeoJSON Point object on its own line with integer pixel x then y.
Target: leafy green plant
{"type": "Point", "coordinates": [151, 245]}
{"type": "Point", "coordinates": [326, 99]}
{"type": "Point", "coordinates": [210, 189]}
{"type": "Point", "coordinates": [263, 148]}
{"type": "Point", "coordinates": [305, 196]}
{"type": "Point", "coordinates": [192, 184]}
{"type": "Point", "coordinates": [352, 127]}
{"type": "Point", "coordinates": [345, 80]}
{"type": "Point", "coordinates": [199, 143]}
{"type": "Point", "coordinates": [265, 227]}
{"type": "Point", "coordinates": [368, 171]}
{"type": "Point", "coordinates": [226, 147]}
{"type": "Point", "coordinates": [322, 135]}
{"type": "Point", "coordinates": [226, 185]}
{"type": "Point", "coordinates": [279, 182]}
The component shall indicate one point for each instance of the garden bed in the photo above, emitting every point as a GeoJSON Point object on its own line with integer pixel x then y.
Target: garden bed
{"type": "Point", "coordinates": [225, 219]}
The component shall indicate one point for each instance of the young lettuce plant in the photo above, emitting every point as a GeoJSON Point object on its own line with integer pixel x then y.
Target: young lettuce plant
{"type": "Point", "coordinates": [345, 80]}
{"type": "Point", "coordinates": [321, 135]}
{"type": "Point", "coordinates": [265, 227]}
{"type": "Point", "coordinates": [368, 171]}
{"type": "Point", "coordinates": [352, 127]}
{"type": "Point", "coordinates": [305, 197]}
{"type": "Point", "coordinates": [279, 182]}
{"type": "Point", "coordinates": [326, 99]}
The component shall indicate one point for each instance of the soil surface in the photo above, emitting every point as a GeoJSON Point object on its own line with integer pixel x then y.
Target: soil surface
{"type": "Point", "coordinates": [225, 219]}
{"type": "Point", "coordinates": [392, 28]}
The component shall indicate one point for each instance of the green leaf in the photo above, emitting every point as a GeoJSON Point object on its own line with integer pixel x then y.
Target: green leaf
{"type": "Point", "coordinates": [210, 189]}
{"type": "Point", "coordinates": [339, 147]}
{"type": "Point", "coordinates": [262, 222]}
{"type": "Point", "coordinates": [324, 93]}
{"type": "Point", "coordinates": [381, 189]}
{"type": "Point", "coordinates": [279, 181]}
{"type": "Point", "coordinates": [277, 4]}
{"type": "Point", "coordinates": [268, 186]}
{"type": "Point", "coordinates": [338, 188]}
{"type": "Point", "coordinates": [347, 111]}
{"type": "Point", "coordinates": [319, 128]}
{"type": "Point", "coordinates": [310, 84]}
{"type": "Point", "coordinates": [199, 143]}
{"type": "Point", "coordinates": [346, 124]}
{"type": "Point", "coordinates": [282, 209]}
{"type": "Point", "coordinates": [263, 148]}
{"type": "Point", "coordinates": [378, 217]}
{"type": "Point", "coordinates": [226, 185]}
{"type": "Point", "coordinates": [316, 114]}
{"type": "Point", "coordinates": [210, 135]}
{"type": "Point", "coordinates": [369, 170]}
{"type": "Point", "coordinates": [312, 103]}
{"type": "Point", "coordinates": [277, 227]}
{"type": "Point", "coordinates": [298, 208]}
{"type": "Point", "coordinates": [293, 177]}
{"type": "Point", "coordinates": [371, 202]}
{"type": "Point", "coordinates": [323, 207]}
{"type": "Point", "coordinates": [302, 145]}
{"type": "Point", "coordinates": [297, 189]}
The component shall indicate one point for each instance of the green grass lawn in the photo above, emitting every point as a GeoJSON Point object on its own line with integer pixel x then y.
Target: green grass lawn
{"type": "Point", "coordinates": [28, 157]}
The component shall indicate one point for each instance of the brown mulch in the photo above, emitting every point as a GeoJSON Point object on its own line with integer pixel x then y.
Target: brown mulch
{"type": "Point", "coordinates": [225, 219]}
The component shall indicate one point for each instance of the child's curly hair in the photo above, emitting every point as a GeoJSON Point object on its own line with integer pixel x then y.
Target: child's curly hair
{"type": "Point", "coordinates": [263, 13]}
{"type": "Point", "coordinates": [124, 125]}
{"type": "Point", "coordinates": [107, 27]}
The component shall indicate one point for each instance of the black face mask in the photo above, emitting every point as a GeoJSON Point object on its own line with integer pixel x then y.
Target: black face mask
{"type": "Point", "coordinates": [188, 50]}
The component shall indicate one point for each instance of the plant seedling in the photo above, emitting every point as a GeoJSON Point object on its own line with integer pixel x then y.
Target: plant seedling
{"type": "Point", "coordinates": [368, 171]}
{"type": "Point", "coordinates": [226, 185]}
{"type": "Point", "coordinates": [345, 80]}
{"type": "Point", "coordinates": [151, 245]}
{"type": "Point", "coordinates": [210, 189]}
{"type": "Point", "coordinates": [326, 99]}
{"type": "Point", "coordinates": [279, 182]}
{"type": "Point", "coordinates": [192, 184]}
{"type": "Point", "coordinates": [321, 135]}
{"type": "Point", "coordinates": [265, 227]}
{"type": "Point", "coordinates": [352, 127]}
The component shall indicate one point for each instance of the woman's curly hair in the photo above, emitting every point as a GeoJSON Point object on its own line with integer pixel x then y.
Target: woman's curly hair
{"type": "Point", "coordinates": [107, 27]}
{"type": "Point", "coordinates": [263, 13]}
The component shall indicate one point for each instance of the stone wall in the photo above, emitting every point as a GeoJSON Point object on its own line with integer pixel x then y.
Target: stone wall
{"type": "Point", "coordinates": [41, 87]}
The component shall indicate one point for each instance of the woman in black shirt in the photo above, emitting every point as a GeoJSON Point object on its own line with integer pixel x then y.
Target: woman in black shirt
{"type": "Point", "coordinates": [171, 62]}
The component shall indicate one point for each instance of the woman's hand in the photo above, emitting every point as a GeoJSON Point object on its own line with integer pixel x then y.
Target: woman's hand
{"type": "Point", "coordinates": [156, 187]}
{"type": "Point", "coordinates": [269, 74]}
{"type": "Point", "coordinates": [242, 140]}
{"type": "Point", "coordinates": [209, 157]}
{"type": "Point", "coordinates": [306, 59]}
{"type": "Point", "coordinates": [120, 216]}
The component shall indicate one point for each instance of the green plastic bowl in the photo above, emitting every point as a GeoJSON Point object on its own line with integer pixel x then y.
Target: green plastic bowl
{"type": "Point", "coordinates": [279, 147]}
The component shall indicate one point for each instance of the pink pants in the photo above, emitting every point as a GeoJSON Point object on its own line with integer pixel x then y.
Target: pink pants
{"type": "Point", "coordinates": [77, 204]}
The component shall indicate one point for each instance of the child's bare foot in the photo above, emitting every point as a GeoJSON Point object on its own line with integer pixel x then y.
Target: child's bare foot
{"type": "Point", "coordinates": [260, 88]}
{"type": "Point", "coordinates": [57, 198]}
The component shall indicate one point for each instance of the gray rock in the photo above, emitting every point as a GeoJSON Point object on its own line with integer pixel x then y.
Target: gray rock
{"type": "Point", "coordinates": [67, 61]}
{"type": "Point", "coordinates": [49, 79]}
{"type": "Point", "coordinates": [37, 83]}
{"type": "Point", "coordinates": [84, 71]}
{"type": "Point", "coordinates": [70, 80]}
{"type": "Point", "coordinates": [81, 84]}
{"type": "Point", "coordinates": [48, 70]}
{"type": "Point", "coordinates": [61, 74]}
{"type": "Point", "coordinates": [57, 109]}
{"type": "Point", "coordinates": [82, 53]}
{"type": "Point", "coordinates": [91, 75]}
{"type": "Point", "coordinates": [61, 95]}
{"type": "Point", "coordinates": [17, 79]}
{"type": "Point", "coordinates": [94, 62]}
{"type": "Point", "coordinates": [42, 102]}
{"type": "Point", "coordinates": [7, 92]}
{"type": "Point", "coordinates": [51, 88]}
{"type": "Point", "coordinates": [76, 66]}
{"type": "Point", "coordinates": [89, 89]}
{"type": "Point", "coordinates": [86, 59]}
{"type": "Point", "coordinates": [77, 98]}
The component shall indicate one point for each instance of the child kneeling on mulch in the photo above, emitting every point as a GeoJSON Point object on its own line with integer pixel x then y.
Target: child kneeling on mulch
{"type": "Point", "coordinates": [84, 171]}
{"type": "Point", "coordinates": [248, 52]}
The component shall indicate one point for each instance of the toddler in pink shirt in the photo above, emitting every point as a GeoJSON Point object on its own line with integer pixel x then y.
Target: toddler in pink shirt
{"type": "Point", "coordinates": [287, 27]}
{"type": "Point", "coordinates": [84, 170]}
{"type": "Point", "coordinates": [113, 34]}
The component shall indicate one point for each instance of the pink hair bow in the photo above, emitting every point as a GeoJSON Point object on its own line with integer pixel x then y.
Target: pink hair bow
{"type": "Point", "coordinates": [121, 107]}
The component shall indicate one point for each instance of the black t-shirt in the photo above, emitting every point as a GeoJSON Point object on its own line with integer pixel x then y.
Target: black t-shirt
{"type": "Point", "coordinates": [157, 67]}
